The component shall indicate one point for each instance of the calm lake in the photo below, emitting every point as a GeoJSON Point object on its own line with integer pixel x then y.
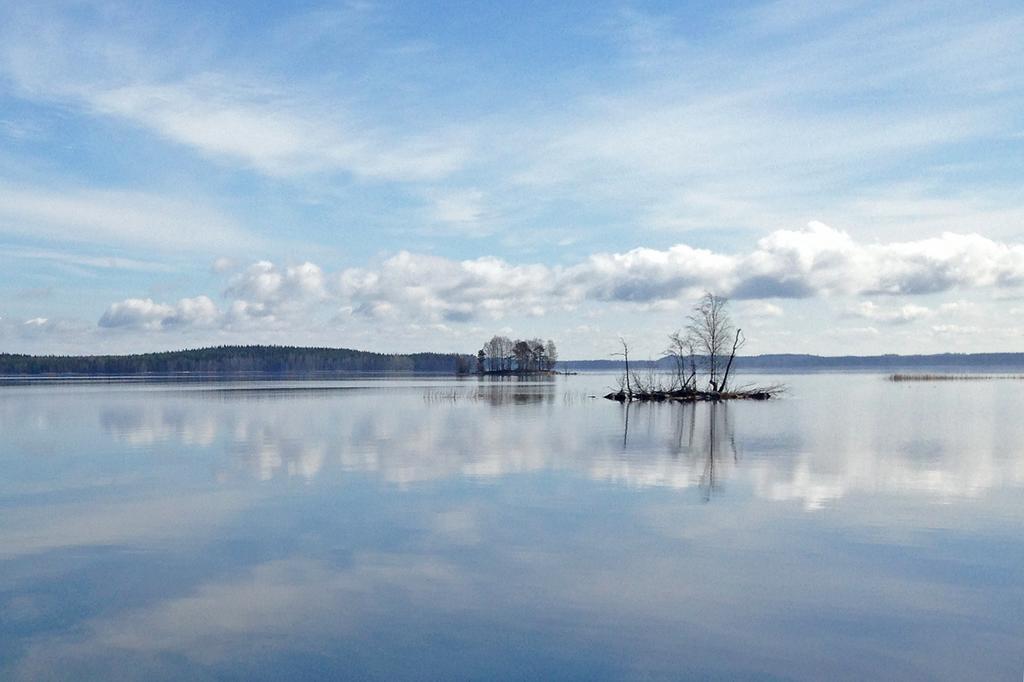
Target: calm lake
{"type": "Point", "coordinates": [440, 529]}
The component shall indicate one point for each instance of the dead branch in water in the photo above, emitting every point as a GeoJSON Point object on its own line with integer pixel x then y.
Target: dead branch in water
{"type": "Point", "coordinates": [707, 338]}
{"type": "Point", "coordinates": [692, 395]}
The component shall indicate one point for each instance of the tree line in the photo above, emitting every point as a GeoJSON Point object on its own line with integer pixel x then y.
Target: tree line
{"type": "Point", "coordinates": [503, 355]}
{"type": "Point", "coordinates": [234, 360]}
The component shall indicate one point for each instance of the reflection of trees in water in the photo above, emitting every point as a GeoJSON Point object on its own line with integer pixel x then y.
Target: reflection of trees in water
{"type": "Point", "coordinates": [721, 442]}
{"type": "Point", "coordinates": [513, 390]}
{"type": "Point", "coordinates": [503, 393]}
{"type": "Point", "coordinates": [393, 432]}
{"type": "Point", "coordinates": [625, 427]}
{"type": "Point", "coordinates": [497, 391]}
{"type": "Point", "coordinates": [703, 434]}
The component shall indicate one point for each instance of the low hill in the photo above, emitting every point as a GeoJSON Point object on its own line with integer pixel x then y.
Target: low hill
{"type": "Point", "coordinates": [232, 360]}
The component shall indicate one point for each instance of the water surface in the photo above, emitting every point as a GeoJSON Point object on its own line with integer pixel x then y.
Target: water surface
{"type": "Point", "coordinates": [432, 528]}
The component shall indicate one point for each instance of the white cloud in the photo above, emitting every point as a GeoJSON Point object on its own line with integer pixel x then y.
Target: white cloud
{"type": "Point", "coordinates": [956, 329]}
{"type": "Point", "coordinates": [278, 129]}
{"type": "Point", "coordinates": [462, 211]}
{"type": "Point", "coordinates": [262, 294]}
{"type": "Point", "coordinates": [103, 262]}
{"type": "Point", "coordinates": [815, 262]}
{"type": "Point", "coordinates": [439, 289]}
{"type": "Point", "coordinates": [139, 313]}
{"type": "Point", "coordinates": [272, 131]}
{"type": "Point", "coordinates": [896, 315]}
{"type": "Point", "coordinates": [686, 136]}
{"type": "Point", "coordinates": [644, 275]}
{"type": "Point", "coordinates": [762, 309]}
{"type": "Point", "coordinates": [266, 290]}
{"type": "Point", "coordinates": [222, 265]}
{"type": "Point", "coordinates": [45, 331]}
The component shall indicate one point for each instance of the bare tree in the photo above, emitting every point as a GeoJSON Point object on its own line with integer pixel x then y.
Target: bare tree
{"type": "Point", "coordinates": [492, 350]}
{"type": "Point", "coordinates": [551, 354]}
{"type": "Point", "coordinates": [538, 360]}
{"type": "Point", "coordinates": [508, 351]}
{"type": "Point", "coordinates": [680, 348]}
{"type": "Point", "coordinates": [499, 353]}
{"type": "Point", "coordinates": [625, 355]}
{"type": "Point", "coordinates": [504, 349]}
{"type": "Point", "coordinates": [677, 351]}
{"type": "Point", "coordinates": [737, 343]}
{"type": "Point", "coordinates": [710, 330]}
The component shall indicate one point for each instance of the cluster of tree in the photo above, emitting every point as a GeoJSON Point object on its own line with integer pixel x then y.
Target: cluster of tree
{"type": "Point", "coordinates": [701, 355]}
{"type": "Point", "coordinates": [503, 355]}
{"type": "Point", "coordinates": [709, 334]}
{"type": "Point", "coordinates": [233, 360]}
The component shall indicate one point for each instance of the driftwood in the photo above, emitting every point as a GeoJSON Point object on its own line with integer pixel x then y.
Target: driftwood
{"type": "Point", "coordinates": [691, 395]}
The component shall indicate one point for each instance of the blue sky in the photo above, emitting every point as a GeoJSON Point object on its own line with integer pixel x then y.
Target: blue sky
{"type": "Point", "coordinates": [419, 176]}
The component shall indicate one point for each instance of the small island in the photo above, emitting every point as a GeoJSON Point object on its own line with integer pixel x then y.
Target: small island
{"type": "Point", "coordinates": [702, 357]}
{"type": "Point", "coordinates": [503, 356]}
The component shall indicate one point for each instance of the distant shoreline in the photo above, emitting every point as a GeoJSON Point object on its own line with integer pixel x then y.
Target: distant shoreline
{"type": "Point", "coordinates": [799, 363]}
{"type": "Point", "coordinates": [296, 361]}
{"type": "Point", "coordinates": [232, 360]}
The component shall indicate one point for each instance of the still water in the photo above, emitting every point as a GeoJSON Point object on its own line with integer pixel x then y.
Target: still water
{"type": "Point", "coordinates": [441, 529]}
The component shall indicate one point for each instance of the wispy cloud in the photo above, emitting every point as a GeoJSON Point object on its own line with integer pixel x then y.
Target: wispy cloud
{"type": "Point", "coordinates": [89, 261]}
{"type": "Point", "coordinates": [275, 126]}
{"type": "Point", "coordinates": [114, 218]}
{"type": "Point", "coordinates": [274, 132]}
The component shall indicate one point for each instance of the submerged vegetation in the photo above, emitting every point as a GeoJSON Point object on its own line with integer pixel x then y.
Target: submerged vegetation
{"type": "Point", "coordinates": [702, 358]}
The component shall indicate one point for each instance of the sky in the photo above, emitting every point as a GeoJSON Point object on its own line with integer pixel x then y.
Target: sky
{"type": "Point", "coordinates": [418, 176]}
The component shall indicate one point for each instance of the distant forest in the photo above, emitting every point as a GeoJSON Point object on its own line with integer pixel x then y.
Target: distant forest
{"type": "Point", "coordinates": [235, 360]}
{"type": "Point", "coordinates": [298, 360]}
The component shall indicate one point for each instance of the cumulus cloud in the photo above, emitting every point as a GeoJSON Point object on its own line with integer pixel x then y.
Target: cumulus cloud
{"type": "Point", "coordinates": [445, 290]}
{"type": "Point", "coordinates": [818, 261]}
{"type": "Point", "coordinates": [821, 260]}
{"type": "Point", "coordinates": [267, 290]}
{"type": "Point", "coordinates": [143, 313]}
{"type": "Point", "coordinates": [646, 275]}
